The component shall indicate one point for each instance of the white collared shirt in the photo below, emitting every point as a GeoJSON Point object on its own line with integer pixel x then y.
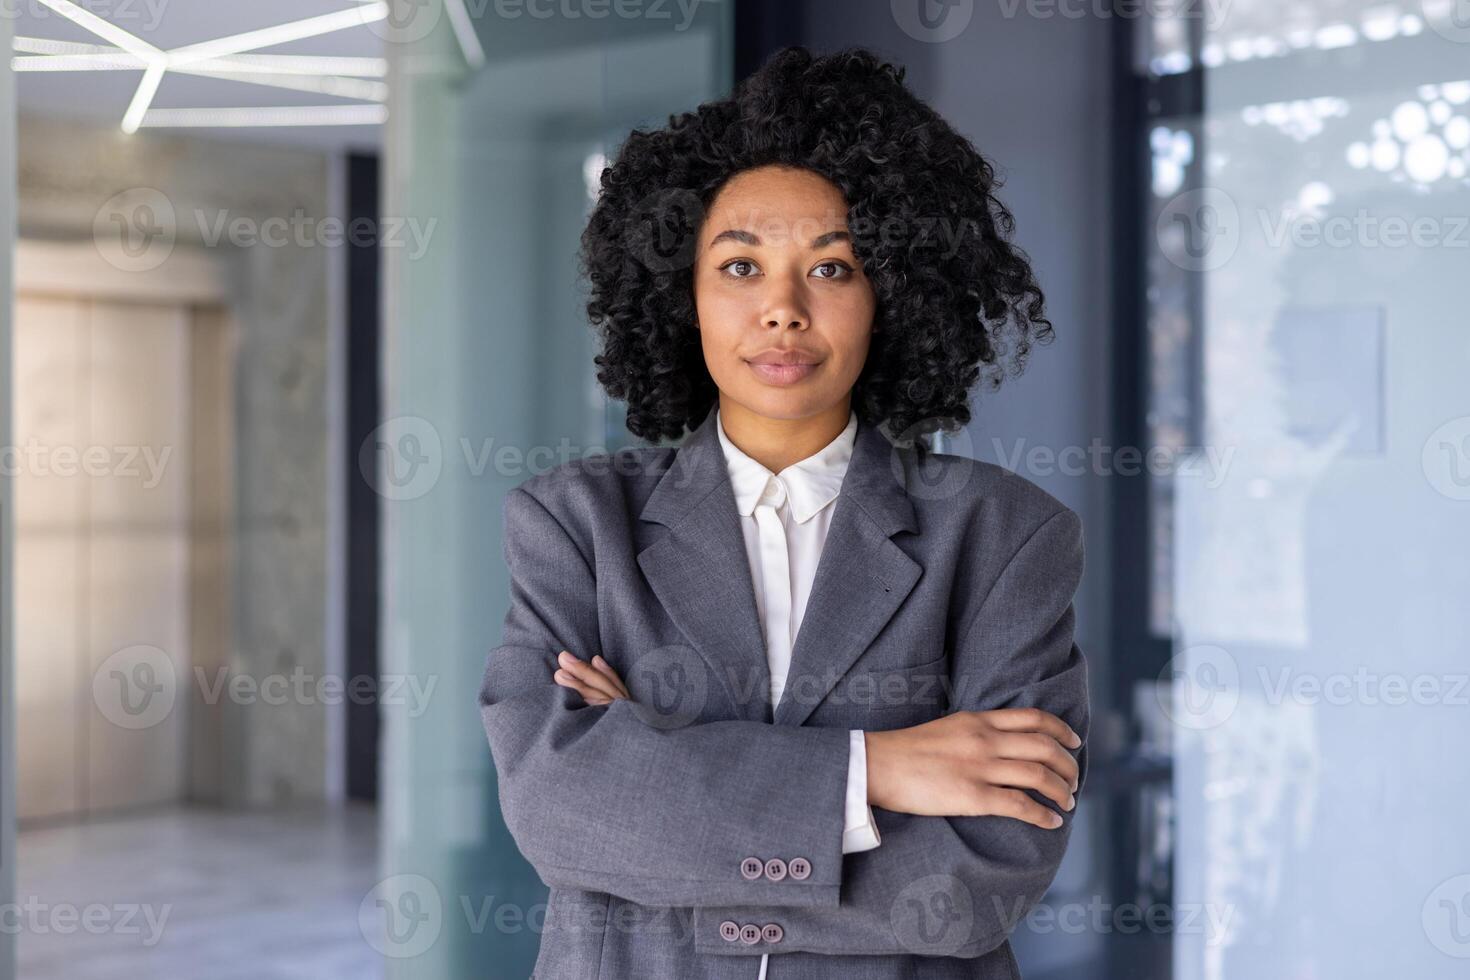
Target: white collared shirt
{"type": "Point", "coordinates": [784, 518]}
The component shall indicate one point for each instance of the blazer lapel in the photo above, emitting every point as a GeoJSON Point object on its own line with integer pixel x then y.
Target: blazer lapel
{"type": "Point", "coordinates": [861, 580]}
{"type": "Point", "coordinates": [700, 572]}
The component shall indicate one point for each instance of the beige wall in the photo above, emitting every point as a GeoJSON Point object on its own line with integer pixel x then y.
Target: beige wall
{"type": "Point", "coordinates": [180, 190]}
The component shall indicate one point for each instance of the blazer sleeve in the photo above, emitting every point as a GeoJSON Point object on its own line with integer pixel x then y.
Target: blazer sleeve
{"type": "Point", "coordinates": [957, 886]}
{"type": "Point", "coordinates": [598, 798]}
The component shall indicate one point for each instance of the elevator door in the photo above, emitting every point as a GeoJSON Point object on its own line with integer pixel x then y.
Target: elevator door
{"type": "Point", "coordinates": [102, 552]}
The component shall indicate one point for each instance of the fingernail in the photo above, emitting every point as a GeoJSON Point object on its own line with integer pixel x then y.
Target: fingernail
{"type": "Point", "coordinates": [1055, 821]}
{"type": "Point", "coordinates": [597, 659]}
{"type": "Point", "coordinates": [1076, 740]}
{"type": "Point", "coordinates": [1071, 802]}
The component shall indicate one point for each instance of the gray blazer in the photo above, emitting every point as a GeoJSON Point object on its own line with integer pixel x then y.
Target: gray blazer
{"type": "Point", "coordinates": [691, 829]}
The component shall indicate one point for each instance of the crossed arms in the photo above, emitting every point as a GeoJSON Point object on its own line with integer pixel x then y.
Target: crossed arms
{"type": "Point", "coordinates": [599, 798]}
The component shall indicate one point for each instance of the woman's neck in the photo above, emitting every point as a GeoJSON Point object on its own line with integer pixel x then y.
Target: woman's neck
{"type": "Point", "coordinates": [777, 443]}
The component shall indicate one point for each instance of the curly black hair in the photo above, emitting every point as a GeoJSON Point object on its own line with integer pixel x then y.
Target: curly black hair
{"type": "Point", "coordinates": [953, 294]}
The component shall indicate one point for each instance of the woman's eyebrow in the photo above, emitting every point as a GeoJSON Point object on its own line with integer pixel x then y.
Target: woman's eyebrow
{"type": "Point", "coordinates": [750, 238]}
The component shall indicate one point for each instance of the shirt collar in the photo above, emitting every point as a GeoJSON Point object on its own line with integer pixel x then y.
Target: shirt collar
{"type": "Point", "coordinates": [811, 483]}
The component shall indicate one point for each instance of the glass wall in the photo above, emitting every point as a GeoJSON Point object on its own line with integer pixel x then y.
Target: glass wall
{"type": "Point", "coordinates": [1308, 349]}
{"type": "Point", "coordinates": [495, 144]}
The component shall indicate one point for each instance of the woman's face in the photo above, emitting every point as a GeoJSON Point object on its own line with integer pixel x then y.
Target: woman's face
{"type": "Point", "coordinates": [785, 312]}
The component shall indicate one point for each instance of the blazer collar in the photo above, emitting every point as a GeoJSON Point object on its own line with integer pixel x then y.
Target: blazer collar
{"type": "Point", "coordinates": [811, 484]}
{"type": "Point", "coordinates": [701, 574]}
{"type": "Point", "coordinates": [873, 478]}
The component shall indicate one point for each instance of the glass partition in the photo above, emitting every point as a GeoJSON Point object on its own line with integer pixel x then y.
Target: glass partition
{"type": "Point", "coordinates": [1307, 349]}
{"type": "Point", "coordinates": [495, 143]}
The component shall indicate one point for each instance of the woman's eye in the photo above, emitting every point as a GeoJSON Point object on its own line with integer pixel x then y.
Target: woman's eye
{"type": "Point", "coordinates": [839, 270]}
{"type": "Point", "coordinates": [742, 264]}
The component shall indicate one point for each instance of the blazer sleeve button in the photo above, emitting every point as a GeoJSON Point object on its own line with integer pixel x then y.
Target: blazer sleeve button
{"type": "Point", "coordinates": [775, 869]}
{"type": "Point", "coordinates": [729, 931]}
{"type": "Point", "coordinates": [750, 934]}
{"type": "Point", "coordinates": [800, 868]}
{"type": "Point", "coordinates": [772, 933]}
{"type": "Point", "coordinates": [751, 868]}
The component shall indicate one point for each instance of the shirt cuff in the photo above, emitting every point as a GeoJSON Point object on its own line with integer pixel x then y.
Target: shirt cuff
{"type": "Point", "coordinates": [860, 831]}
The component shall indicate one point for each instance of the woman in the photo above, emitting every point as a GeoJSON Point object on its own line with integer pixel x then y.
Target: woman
{"type": "Point", "coordinates": [795, 699]}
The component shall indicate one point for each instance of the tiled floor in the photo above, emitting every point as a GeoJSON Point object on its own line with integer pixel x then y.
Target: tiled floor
{"type": "Point", "coordinates": [198, 894]}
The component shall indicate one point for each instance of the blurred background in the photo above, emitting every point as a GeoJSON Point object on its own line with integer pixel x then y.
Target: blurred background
{"type": "Point", "coordinates": [292, 302]}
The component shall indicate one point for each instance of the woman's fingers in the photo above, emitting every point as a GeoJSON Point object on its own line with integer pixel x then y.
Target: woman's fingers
{"type": "Point", "coordinates": [1034, 720]}
{"type": "Point", "coordinates": [1030, 747]}
{"type": "Point", "coordinates": [590, 695]}
{"type": "Point", "coordinates": [596, 683]}
{"type": "Point", "coordinates": [612, 675]}
{"type": "Point", "coordinates": [1032, 775]}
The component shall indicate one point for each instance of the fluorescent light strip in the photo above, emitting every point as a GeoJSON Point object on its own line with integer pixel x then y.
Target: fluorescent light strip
{"type": "Point", "coordinates": [303, 64]}
{"type": "Point", "coordinates": [122, 61]}
{"type": "Point", "coordinates": [285, 64]}
{"type": "Point", "coordinates": [143, 97]}
{"type": "Point", "coordinates": [346, 88]}
{"type": "Point", "coordinates": [464, 32]}
{"type": "Point", "coordinates": [250, 116]}
{"type": "Point", "coordinates": [280, 34]}
{"type": "Point", "coordinates": [44, 45]}
{"type": "Point", "coordinates": [104, 29]}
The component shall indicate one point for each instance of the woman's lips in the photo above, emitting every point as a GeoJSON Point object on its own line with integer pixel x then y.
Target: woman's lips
{"type": "Point", "coordinates": [781, 374]}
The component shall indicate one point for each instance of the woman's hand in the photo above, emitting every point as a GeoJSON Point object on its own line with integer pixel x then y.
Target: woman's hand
{"type": "Point", "coordinates": [976, 764]}
{"type": "Point", "coordinates": [597, 682]}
